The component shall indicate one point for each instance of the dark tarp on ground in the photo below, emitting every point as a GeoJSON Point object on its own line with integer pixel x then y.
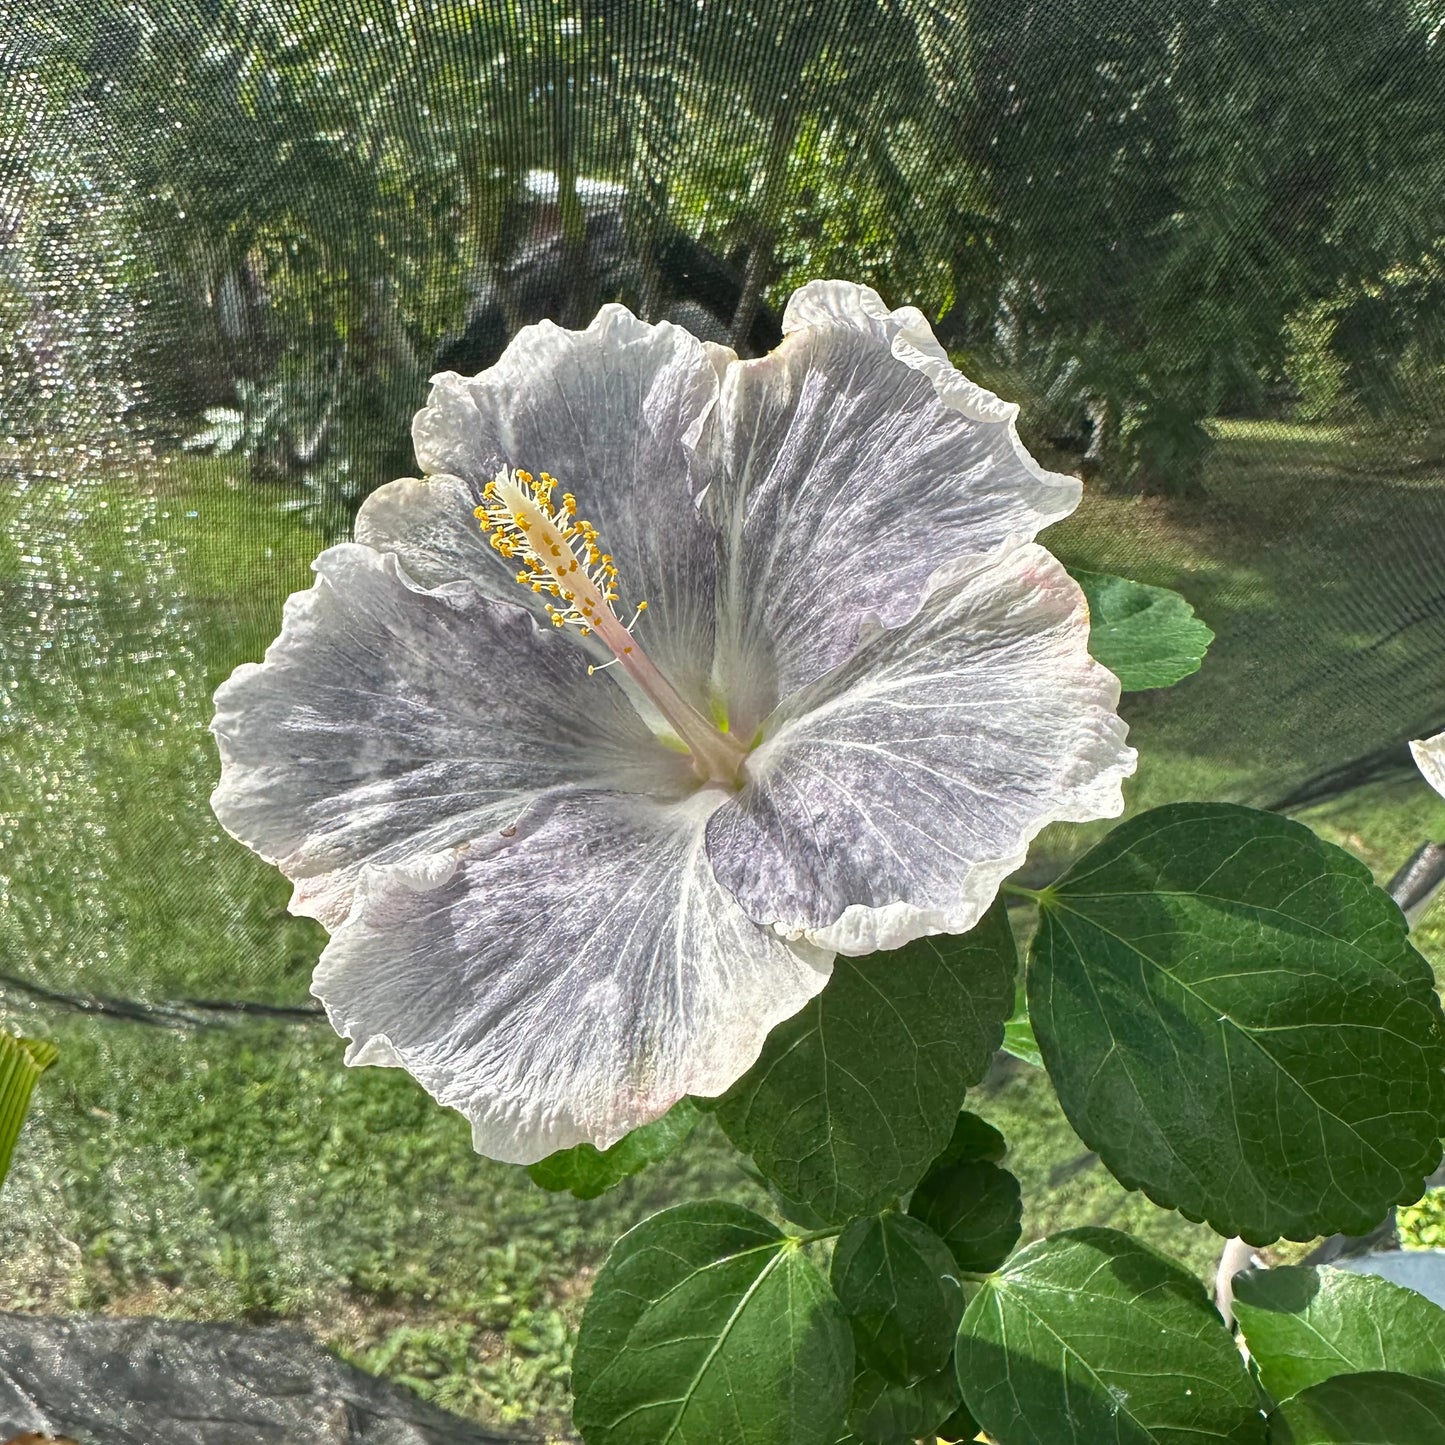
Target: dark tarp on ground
{"type": "Point", "coordinates": [174, 1382]}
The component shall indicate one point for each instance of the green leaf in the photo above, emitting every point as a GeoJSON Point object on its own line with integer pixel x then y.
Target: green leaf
{"type": "Point", "coordinates": [707, 1326]}
{"type": "Point", "coordinates": [895, 1280]}
{"type": "Point", "coordinates": [1375, 1408]}
{"type": "Point", "coordinates": [1233, 1017]}
{"type": "Point", "coordinates": [1146, 636]}
{"type": "Point", "coordinates": [690, 1236]}
{"type": "Point", "coordinates": [588, 1171]}
{"type": "Point", "coordinates": [975, 1208]}
{"type": "Point", "coordinates": [884, 1413]}
{"type": "Point", "coordinates": [1018, 1033]}
{"type": "Point", "coordinates": [22, 1061]}
{"type": "Point", "coordinates": [854, 1096]}
{"type": "Point", "coordinates": [959, 1426]}
{"type": "Point", "coordinates": [1304, 1325]}
{"type": "Point", "coordinates": [1088, 1337]}
{"type": "Point", "coordinates": [972, 1139]}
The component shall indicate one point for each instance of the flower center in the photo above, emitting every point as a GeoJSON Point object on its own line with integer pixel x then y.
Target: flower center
{"type": "Point", "coordinates": [557, 549]}
{"type": "Point", "coordinates": [560, 558]}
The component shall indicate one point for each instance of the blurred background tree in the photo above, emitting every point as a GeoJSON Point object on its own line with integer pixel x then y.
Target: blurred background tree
{"type": "Point", "coordinates": [1230, 209]}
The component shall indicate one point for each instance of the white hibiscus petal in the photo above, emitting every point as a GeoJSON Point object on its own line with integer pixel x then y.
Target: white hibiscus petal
{"type": "Point", "coordinates": [852, 471]}
{"type": "Point", "coordinates": [1430, 756]}
{"type": "Point", "coordinates": [389, 724]}
{"type": "Point", "coordinates": [843, 303]}
{"type": "Point", "coordinates": [901, 790]}
{"type": "Point", "coordinates": [428, 523]}
{"type": "Point", "coordinates": [614, 412]}
{"type": "Point", "coordinates": [569, 984]}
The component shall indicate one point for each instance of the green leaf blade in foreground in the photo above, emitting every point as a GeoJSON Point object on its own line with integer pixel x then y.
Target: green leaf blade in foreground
{"type": "Point", "coordinates": [1374, 1408]}
{"type": "Point", "coordinates": [707, 1326]}
{"type": "Point", "coordinates": [1089, 1337]}
{"type": "Point", "coordinates": [854, 1097]}
{"type": "Point", "coordinates": [883, 1413]}
{"type": "Point", "coordinates": [1146, 636]}
{"type": "Point", "coordinates": [22, 1061]}
{"type": "Point", "coordinates": [895, 1280]}
{"type": "Point", "coordinates": [975, 1207]}
{"type": "Point", "coordinates": [1232, 1015]}
{"type": "Point", "coordinates": [587, 1171]}
{"type": "Point", "coordinates": [973, 1139]}
{"type": "Point", "coordinates": [1304, 1325]}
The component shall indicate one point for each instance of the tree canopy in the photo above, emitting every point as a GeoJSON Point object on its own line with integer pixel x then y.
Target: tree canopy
{"type": "Point", "coordinates": [1145, 220]}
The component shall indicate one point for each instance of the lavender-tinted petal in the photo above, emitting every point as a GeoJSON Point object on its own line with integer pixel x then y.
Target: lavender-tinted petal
{"type": "Point", "coordinates": [898, 792]}
{"type": "Point", "coordinates": [570, 983]}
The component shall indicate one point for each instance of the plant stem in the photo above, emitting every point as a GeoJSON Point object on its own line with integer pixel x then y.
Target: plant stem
{"type": "Point", "coordinates": [1019, 891]}
{"type": "Point", "coordinates": [814, 1235]}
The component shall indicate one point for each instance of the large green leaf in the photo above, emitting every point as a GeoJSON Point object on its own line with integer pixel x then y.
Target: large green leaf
{"type": "Point", "coordinates": [707, 1326]}
{"type": "Point", "coordinates": [883, 1413]}
{"type": "Point", "coordinates": [1303, 1325]}
{"type": "Point", "coordinates": [1089, 1337]}
{"type": "Point", "coordinates": [976, 1209]}
{"type": "Point", "coordinates": [896, 1282]}
{"type": "Point", "coordinates": [588, 1171]}
{"type": "Point", "coordinates": [22, 1061]}
{"type": "Point", "coordinates": [1376, 1408]}
{"type": "Point", "coordinates": [1146, 636]}
{"type": "Point", "coordinates": [854, 1096]}
{"type": "Point", "coordinates": [1233, 1016]}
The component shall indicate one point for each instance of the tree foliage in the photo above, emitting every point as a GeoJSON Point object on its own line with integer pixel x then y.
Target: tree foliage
{"type": "Point", "coordinates": [1147, 223]}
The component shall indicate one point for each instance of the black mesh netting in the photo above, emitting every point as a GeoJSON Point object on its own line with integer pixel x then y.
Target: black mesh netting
{"type": "Point", "coordinates": [1203, 245]}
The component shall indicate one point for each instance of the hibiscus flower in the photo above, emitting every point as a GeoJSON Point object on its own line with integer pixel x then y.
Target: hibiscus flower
{"type": "Point", "coordinates": [675, 676]}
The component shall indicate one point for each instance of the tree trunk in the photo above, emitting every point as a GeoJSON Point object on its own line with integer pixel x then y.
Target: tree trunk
{"type": "Point", "coordinates": [651, 299]}
{"type": "Point", "coordinates": [578, 298]}
{"type": "Point", "coordinates": [577, 264]}
{"type": "Point", "coordinates": [764, 238]}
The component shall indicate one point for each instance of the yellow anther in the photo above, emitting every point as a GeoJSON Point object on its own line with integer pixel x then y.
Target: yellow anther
{"type": "Point", "coordinates": [557, 551]}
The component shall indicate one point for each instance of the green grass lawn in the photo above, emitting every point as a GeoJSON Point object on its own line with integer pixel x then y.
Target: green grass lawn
{"type": "Point", "coordinates": [242, 1171]}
